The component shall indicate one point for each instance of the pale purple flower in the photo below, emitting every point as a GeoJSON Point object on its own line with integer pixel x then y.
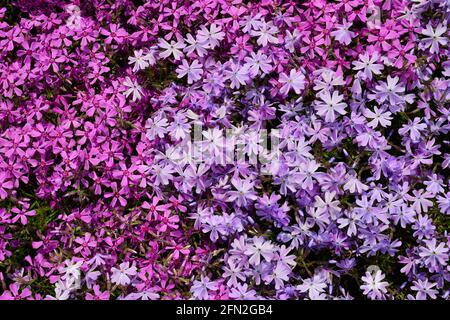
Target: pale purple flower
{"type": "Point", "coordinates": [434, 37]}
{"type": "Point", "coordinates": [295, 80]}
{"type": "Point", "coordinates": [373, 285]}
{"type": "Point", "coordinates": [133, 88]}
{"type": "Point", "coordinates": [201, 289]}
{"type": "Point", "coordinates": [260, 248]}
{"type": "Point", "coordinates": [343, 34]}
{"type": "Point", "coordinates": [122, 275]}
{"type": "Point", "coordinates": [329, 105]}
{"type": "Point", "coordinates": [211, 36]}
{"type": "Point", "coordinates": [424, 289]}
{"type": "Point", "coordinates": [366, 66]}
{"type": "Point", "coordinates": [171, 49]}
{"type": "Point", "coordinates": [433, 255]}
{"type": "Point", "coordinates": [193, 70]}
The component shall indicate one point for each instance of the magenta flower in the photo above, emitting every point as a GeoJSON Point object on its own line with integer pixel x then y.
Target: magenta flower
{"type": "Point", "coordinates": [5, 185]}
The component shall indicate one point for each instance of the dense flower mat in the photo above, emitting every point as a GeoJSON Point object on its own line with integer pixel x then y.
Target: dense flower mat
{"type": "Point", "coordinates": [105, 193]}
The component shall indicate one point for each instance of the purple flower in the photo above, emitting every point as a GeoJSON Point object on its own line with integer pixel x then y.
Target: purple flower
{"type": "Point", "coordinates": [373, 285]}
{"type": "Point", "coordinates": [122, 274]}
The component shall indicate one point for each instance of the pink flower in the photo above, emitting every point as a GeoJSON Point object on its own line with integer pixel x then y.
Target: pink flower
{"type": "Point", "coordinates": [115, 34]}
{"type": "Point", "coordinates": [5, 184]}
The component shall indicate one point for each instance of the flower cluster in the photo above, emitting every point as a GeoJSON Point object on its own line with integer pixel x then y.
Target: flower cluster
{"type": "Point", "coordinates": [224, 149]}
